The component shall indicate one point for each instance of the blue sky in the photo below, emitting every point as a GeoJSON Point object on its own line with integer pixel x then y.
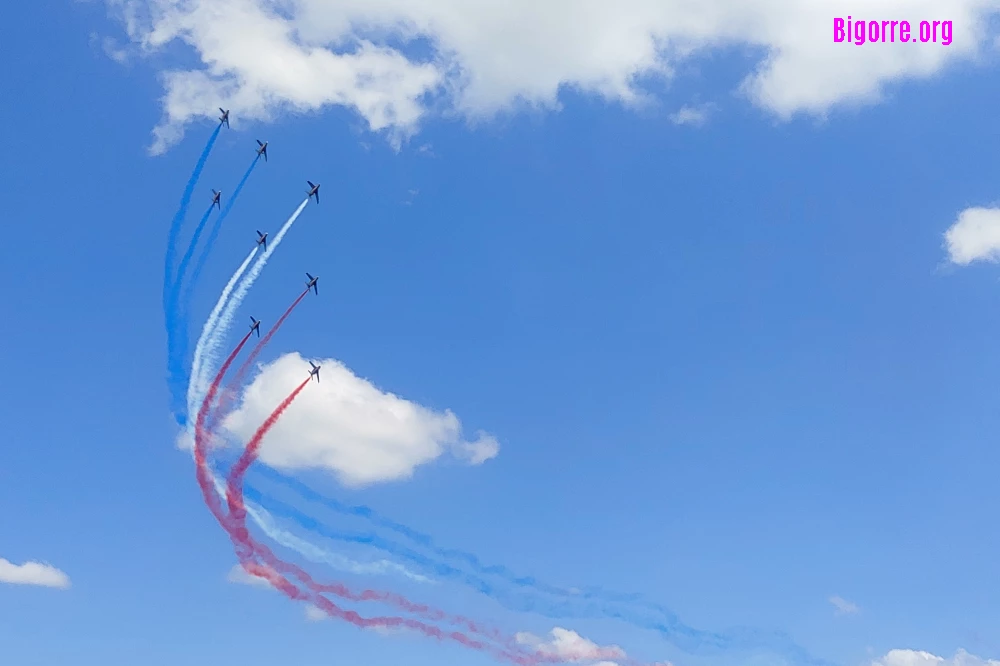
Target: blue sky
{"type": "Point", "coordinates": [728, 364]}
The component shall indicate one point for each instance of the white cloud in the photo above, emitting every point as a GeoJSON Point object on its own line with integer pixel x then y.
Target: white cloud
{"type": "Point", "coordinates": [263, 57]}
{"type": "Point", "coordinates": [916, 658]}
{"type": "Point", "coordinates": [570, 646]}
{"type": "Point", "coordinates": [240, 576]}
{"type": "Point", "coordinates": [842, 606]}
{"type": "Point", "coordinates": [975, 236]}
{"type": "Point", "coordinates": [110, 48]}
{"type": "Point", "coordinates": [314, 614]}
{"type": "Point", "coordinates": [32, 573]}
{"type": "Point", "coordinates": [346, 425]}
{"type": "Point", "coordinates": [692, 115]}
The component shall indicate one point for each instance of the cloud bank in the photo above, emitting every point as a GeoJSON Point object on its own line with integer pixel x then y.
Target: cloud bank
{"type": "Point", "coordinates": [32, 573]}
{"type": "Point", "coordinates": [393, 61]}
{"type": "Point", "coordinates": [347, 426]}
{"type": "Point", "coordinates": [916, 658]}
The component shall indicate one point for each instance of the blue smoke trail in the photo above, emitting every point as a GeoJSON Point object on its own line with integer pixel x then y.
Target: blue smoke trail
{"type": "Point", "coordinates": [214, 234]}
{"type": "Point", "coordinates": [667, 624]}
{"type": "Point", "coordinates": [175, 224]}
{"type": "Point", "coordinates": [169, 283]}
{"type": "Point", "coordinates": [177, 312]}
{"type": "Point", "coordinates": [590, 603]}
{"type": "Point", "coordinates": [176, 324]}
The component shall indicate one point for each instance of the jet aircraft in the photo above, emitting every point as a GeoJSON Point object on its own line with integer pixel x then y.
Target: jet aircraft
{"type": "Point", "coordinates": [224, 118]}
{"type": "Point", "coordinates": [262, 240]}
{"type": "Point", "coordinates": [255, 326]}
{"type": "Point", "coordinates": [311, 284]}
{"type": "Point", "coordinates": [315, 371]}
{"type": "Point", "coordinates": [314, 191]}
{"type": "Point", "coordinates": [262, 150]}
{"type": "Point", "coordinates": [215, 199]}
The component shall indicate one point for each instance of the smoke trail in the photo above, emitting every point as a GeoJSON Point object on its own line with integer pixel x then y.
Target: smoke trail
{"type": "Point", "coordinates": [284, 538]}
{"type": "Point", "coordinates": [247, 550]}
{"type": "Point", "coordinates": [175, 224]}
{"type": "Point", "coordinates": [177, 326]}
{"type": "Point", "coordinates": [208, 348]}
{"type": "Point", "coordinates": [201, 468]}
{"type": "Point", "coordinates": [527, 595]}
{"type": "Point", "coordinates": [214, 233]}
{"type": "Point", "coordinates": [177, 312]}
{"type": "Point", "coordinates": [169, 281]}
{"type": "Point", "coordinates": [234, 385]}
{"type": "Point", "coordinates": [211, 322]}
{"type": "Point", "coordinates": [315, 554]}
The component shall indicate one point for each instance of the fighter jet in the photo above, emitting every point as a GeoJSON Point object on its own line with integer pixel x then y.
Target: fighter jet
{"type": "Point", "coordinates": [224, 118]}
{"type": "Point", "coordinates": [215, 199]}
{"type": "Point", "coordinates": [262, 150]}
{"type": "Point", "coordinates": [312, 283]}
{"type": "Point", "coordinates": [255, 326]}
{"type": "Point", "coordinates": [315, 371]}
{"type": "Point", "coordinates": [262, 240]}
{"type": "Point", "coordinates": [314, 192]}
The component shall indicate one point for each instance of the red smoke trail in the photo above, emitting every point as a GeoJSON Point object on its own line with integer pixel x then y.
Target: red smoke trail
{"type": "Point", "coordinates": [233, 386]}
{"type": "Point", "coordinates": [235, 522]}
{"type": "Point", "coordinates": [212, 419]}
{"type": "Point", "coordinates": [201, 468]}
{"type": "Point", "coordinates": [247, 549]}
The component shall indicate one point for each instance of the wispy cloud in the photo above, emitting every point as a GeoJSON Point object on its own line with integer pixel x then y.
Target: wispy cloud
{"type": "Point", "coordinates": [842, 606]}
{"type": "Point", "coordinates": [239, 576]}
{"type": "Point", "coordinates": [32, 573]}
{"type": "Point", "coordinates": [110, 47]}
{"type": "Point", "coordinates": [314, 614]}
{"type": "Point", "coordinates": [692, 115]}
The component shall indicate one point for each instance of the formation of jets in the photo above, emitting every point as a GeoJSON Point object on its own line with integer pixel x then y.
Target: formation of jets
{"type": "Point", "coordinates": [313, 191]}
{"type": "Point", "coordinates": [311, 284]}
{"type": "Point", "coordinates": [262, 152]}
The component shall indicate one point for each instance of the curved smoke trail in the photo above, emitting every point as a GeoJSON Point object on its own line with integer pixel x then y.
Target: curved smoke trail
{"type": "Point", "coordinates": [214, 233]}
{"type": "Point", "coordinates": [274, 569]}
{"type": "Point", "coordinates": [211, 322]}
{"type": "Point", "coordinates": [213, 336]}
{"type": "Point", "coordinates": [226, 396]}
{"type": "Point", "coordinates": [169, 281]}
{"type": "Point", "coordinates": [525, 594]}
{"type": "Point", "coordinates": [175, 224]}
{"type": "Point", "coordinates": [307, 550]}
{"type": "Point", "coordinates": [177, 313]}
{"type": "Point", "coordinates": [177, 330]}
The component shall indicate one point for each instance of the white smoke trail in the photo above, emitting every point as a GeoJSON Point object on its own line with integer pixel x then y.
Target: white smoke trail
{"type": "Point", "coordinates": [194, 386]}
{"type": "Point", "coordinates": [207, 351]}
{"type": "Point", "coordinates": [212, 336]}
{"type": "Point", "coordinates": [311, 552]}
